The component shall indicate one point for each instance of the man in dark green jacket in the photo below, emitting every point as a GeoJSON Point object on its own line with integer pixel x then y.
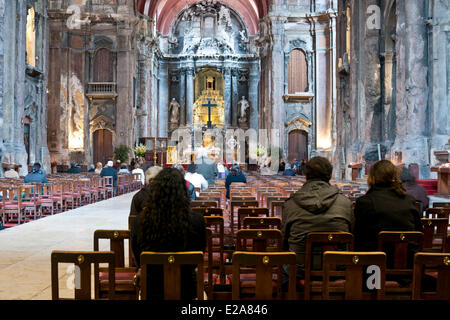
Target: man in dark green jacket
{"type": "Point", "coordinates": [316, 207]}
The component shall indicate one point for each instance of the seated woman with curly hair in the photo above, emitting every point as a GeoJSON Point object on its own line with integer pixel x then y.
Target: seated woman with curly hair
{"type": "Point", "coordinates": [167, 224]}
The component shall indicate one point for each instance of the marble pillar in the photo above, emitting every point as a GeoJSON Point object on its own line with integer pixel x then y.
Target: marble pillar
{"type": "Point", "coordinates": [372, 92]}
{"type": "Point", "coordinates": [439, 61]}
{"type": "Point", "coordinates": [182, 97]}
{"type": "Point", "coordinates": [323, 91]}
{"type": "Point", "coordinates": [277, 83]}
{"type": "Point", "coordinates": [189, 95]}
{"type": "Point", "coordinates": [163, 114]}
{"type": "Point", "coordinates": [412, 86]}
{"type": "Point", "coordinates": [253, 95]}
{"type": "Point", "coordinates": [227, 77]}
{"type": "Point", "coordinates": [14, 77]}
{"type": "Point", "coordinates": [234, 97]}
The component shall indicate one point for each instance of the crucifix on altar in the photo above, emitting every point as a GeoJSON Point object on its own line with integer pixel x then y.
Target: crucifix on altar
{"type": "Point", "coordinates": [209, 105]}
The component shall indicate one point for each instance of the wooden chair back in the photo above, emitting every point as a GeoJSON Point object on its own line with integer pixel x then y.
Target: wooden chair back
{"type": "Point", "coordinates": [447, 244]}
{"type": "Point", "coordinates": [436, 213]}
{"type": "Point", "coordinates": [441, 204]}
{"type": "Point", "coordinates": [238, 204]}
{"type": "Point", "coordinates": [208, 211]}
{"type": "Point", "coordinates": [82, 261]}
{"type": "Point", "coordinates": [399, 248]}
{"type": "Point", "coordinates": [356, 265]}
{"type": "Point", "coordinates": [117, 244]}
{"type": "Point", "coordinates": [209, 251]}
{"type": "Point", "coordinates": [261, 223]}
{"type": "Point", "coordinates": [438, 263]}
{"type": "Point", "coordinates": [209, 198]}
{"type": "Point", "coordinates": [251, 212]}
{"type": "Point", "coordinates": [435, 231]}
{"type": "Point", "coordinates": [274, 202]}
{"type": "Point", "coordinates": [266, 265]}
{"type": "Point", "coordinates": [172, 262]}
{"type": "Point", "coordinates": [203, 203]}
{"type": "Point", "coordinates": [216, 225]}
{"type": "Point", "coordinates": [316, 244]}
{"type": "Point", "coordinates": [400, 241]}
{"type": "Point", "coordinates": [261, 240]}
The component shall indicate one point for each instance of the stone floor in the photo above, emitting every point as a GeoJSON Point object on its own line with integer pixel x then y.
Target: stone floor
{"type": "Point", "coordinates": [25, 250]}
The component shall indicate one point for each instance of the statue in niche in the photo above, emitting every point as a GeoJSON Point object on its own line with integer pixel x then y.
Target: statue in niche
{"type": "Point", "coordinates": [244, 112]}
{"type": "Point", "coordinates": [174, 109]}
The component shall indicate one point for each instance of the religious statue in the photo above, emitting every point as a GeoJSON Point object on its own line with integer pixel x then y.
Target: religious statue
{"type": "Point", "coordinates": [244, 112]}
{"type": "Point", "coordinates": [174, 109]}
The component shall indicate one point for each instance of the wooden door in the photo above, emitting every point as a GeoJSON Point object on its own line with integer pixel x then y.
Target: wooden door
{"type": "Point", "coordinates": [103, 146]}
{"type": "Point", "coordinates": [298, 145]}
{"type": "Point", "coordinates": [103, 66]}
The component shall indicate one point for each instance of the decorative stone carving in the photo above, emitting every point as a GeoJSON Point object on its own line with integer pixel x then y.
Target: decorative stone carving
{"type": "Point", "coordinates": [298, 123]}
{"type": "Point", "coordinates": [102, 122]}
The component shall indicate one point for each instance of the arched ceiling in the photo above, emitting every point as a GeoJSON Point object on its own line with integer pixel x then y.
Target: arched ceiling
{"type": "Point", "coordinates": [165, 11]}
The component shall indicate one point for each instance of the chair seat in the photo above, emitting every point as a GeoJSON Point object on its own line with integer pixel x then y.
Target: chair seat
{"type": "Point", "coordinates": [28, 204]}
{"type": "Point", "coordinates": [11, 206]}
{"type": "Point", "coordinates": [338, 283]}
{"type": "Point", "coordinates": [47, 200]}
{"type": "Point", "coordinates": [437, 242]}
{"type": "Point", "coordinates": [124, 281]}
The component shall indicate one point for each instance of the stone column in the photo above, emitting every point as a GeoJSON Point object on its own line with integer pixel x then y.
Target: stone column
{"type": "Point", "coordinates": [14, 148]}
{"type": "Point", "coordinates": [2, 50]}
{"type": "Point", "coordinates": [182, 97]}
{"type": "Point", "coordinates": [253, 95]}
{"type": "Point", "coordinates": [439, 61]}
{"type": "Point", "coordinates": [163, 116]}
{"type": "Point", "coordinates": [234, 98]}
{"type": "Point", "coordinates": [277, 81]}
{"type": "Point", "coordinates": [323, 88]}
{"type": "Point", "coordinates": [372, 91]}
{"type": "Point", "coordinates": [189, 95]}
{"type": "Point", "coordinates": [412, 86]}
{"type": "Point", "coordinates": [227, 98]}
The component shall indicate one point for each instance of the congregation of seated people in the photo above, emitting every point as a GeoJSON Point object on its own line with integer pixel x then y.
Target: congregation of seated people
{"type": "Point", "coordinates": [172, 214]}
{"type": "Point", "coordinates": [162, 206]}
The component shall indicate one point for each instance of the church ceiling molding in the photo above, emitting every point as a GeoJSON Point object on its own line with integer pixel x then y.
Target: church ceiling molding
{"type": "Point", "coordinates": [164, 12]}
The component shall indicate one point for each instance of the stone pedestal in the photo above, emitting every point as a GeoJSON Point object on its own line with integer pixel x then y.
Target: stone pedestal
{"type": "Point", "coordinates": [356, 169]}
{"type": "Point", "coordinates": [443, 180]}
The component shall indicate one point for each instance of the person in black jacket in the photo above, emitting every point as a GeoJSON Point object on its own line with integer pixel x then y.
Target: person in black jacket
{"type": "Point", "coordinates": [74, 169]}
{"type": "Point", "coordinates": [385, 207]}
{"type": "Point", "coordinates": [167, 224]}
{"type": "Point", "coordinates": [236, 175]}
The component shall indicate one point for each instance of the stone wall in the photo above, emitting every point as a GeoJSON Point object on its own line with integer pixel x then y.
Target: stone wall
{"type": "Point", "coordinates": [79, 106]}
{"type": "Point", "coordinates": [394, 91]}
{"type": "Point", "coordinates": [23, 87]}
{"type": "Point", "coordinates": [309, 27]}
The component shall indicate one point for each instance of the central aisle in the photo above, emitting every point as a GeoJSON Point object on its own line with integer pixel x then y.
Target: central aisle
{"type": "Point", "coordinates": [25, 250]}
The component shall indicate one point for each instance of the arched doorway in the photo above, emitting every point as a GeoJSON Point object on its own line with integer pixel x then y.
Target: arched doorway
{"type": "Point", "coordinates": [103, 146]}
{"type": "Point", "coordinates": [298, 145]}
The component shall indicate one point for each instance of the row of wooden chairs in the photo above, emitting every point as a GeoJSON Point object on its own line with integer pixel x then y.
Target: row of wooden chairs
{"type": "Point", "coordinates": [264, 268]}
{"type": "Point", "coordinates": [22, 203]}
